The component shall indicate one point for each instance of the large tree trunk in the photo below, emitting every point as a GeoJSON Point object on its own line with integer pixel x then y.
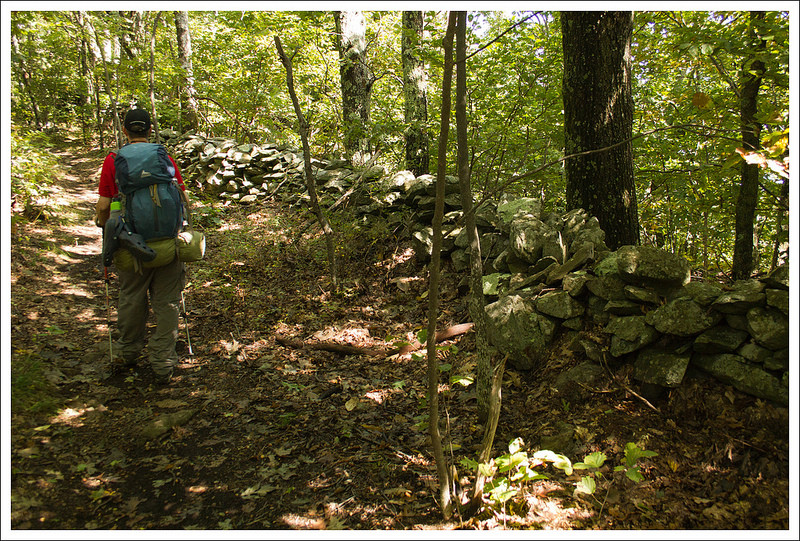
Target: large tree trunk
{"type": "Point", "coordinates": [188, 94]}
{"type": "Point", "coordinates": [415, 83]}
{"type": "Point", "coordinates": [747, 200]}
{"type": "Point", "coordinates": [598, 113]}
{"type": "Point", "coordinates": [356, 83]}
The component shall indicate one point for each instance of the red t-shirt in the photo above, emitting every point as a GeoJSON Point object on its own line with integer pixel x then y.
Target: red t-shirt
{"type": "Point", "coordinates": [108, 186]}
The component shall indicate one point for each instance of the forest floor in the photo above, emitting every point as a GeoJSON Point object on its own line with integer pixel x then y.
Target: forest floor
{"type": "Point", "coordinates": [253, 434]}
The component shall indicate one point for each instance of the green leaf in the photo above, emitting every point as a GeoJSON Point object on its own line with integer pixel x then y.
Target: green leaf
{"type": "Point", "coordinates": [487, 470]}
{"type": "Point", "coordinates": [515, 445]}
{"type": "Point", "coordinates": [511, 462]}
{"type": "Point", "coordinates": [466, 381]}
{"type": "Point", "coordinates": [586, 485]}
{"type": "Point", "coordinates": [469, 464]}
{"type": "Point", "coordinates": [559, 461]}
{"type": "Point", "coordinates": [634, 475]}
{"type": "Point", "coordinates": [732, 160]}
{"type": "Point", "coordinates": [595, 460]}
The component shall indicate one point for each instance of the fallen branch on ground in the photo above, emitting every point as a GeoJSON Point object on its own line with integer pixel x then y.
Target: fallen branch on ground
{"type": "Point", "coordinates": [336, 347]}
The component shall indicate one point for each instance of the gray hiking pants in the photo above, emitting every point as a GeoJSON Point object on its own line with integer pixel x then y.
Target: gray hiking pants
{"type": "Point", "coordinates": [159, 287]}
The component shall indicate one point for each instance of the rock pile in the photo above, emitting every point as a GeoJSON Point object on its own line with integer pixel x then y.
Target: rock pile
{"type": "Point", "coordinates": [545, 273]}
{"type": "Point", "coordinates": [658, 319]}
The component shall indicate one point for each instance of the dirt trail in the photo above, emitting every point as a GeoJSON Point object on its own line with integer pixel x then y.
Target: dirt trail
{"type": "Point", "coordinates": [254, 435]}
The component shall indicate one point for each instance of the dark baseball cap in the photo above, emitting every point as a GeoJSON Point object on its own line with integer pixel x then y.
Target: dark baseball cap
{"type": "Point", "coordinates": [137, 121]}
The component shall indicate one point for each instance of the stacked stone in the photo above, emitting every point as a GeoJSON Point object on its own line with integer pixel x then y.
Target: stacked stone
{"type": "Point", "coordinates": [545, 272]}
{"type": "Point", "coordinates": [660, 320]}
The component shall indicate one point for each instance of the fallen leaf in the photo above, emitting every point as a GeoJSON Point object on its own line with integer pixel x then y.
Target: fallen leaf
{"type": "Point", "coordinates": [351, 404]}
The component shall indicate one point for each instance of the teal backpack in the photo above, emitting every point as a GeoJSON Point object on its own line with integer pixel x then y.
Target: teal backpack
{"type": "Point", "coordinates": [153, 207]}
{"type": "Point", "coordinates": [151, 213]}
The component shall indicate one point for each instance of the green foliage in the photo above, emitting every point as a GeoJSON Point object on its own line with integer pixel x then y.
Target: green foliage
{"type": "Point", "coordinates": [686, 71]}
{"type": "Point", "coordinates": [508, 473]}
{"type": "Point", "coordinates": [632, 455]}
{"type": "Point", "coordinates": [33, 168]}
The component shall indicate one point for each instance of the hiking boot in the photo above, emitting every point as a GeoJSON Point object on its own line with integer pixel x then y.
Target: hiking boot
{"type": "Point", "coordinates": [130, 361]}
{"type": "Point", "coordinates": [164, 379]}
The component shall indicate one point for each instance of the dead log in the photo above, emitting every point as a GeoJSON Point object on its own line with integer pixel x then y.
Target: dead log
{"type": "Point", "coordinates": [336, 347]}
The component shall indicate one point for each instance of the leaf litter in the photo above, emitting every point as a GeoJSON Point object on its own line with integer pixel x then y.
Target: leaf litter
{"type": "Point", "coordinates": [252, 434]}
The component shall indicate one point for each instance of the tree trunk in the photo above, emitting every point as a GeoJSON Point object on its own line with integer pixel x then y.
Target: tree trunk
{"type": "Point", "coordinates": [781, 232]}
{"type": "Point", "coordinates": [476, 300]}
{"type": "Point", "coordinates": [188, 93]}
{"type": "Point", "coordinates": [154, 111]}
{"type": "Point", "coordinates": [356, 83]}
{"type": "Point", "coordinates": [25, 77]}
{"type": "Point", "coordinates": [747, 200]}
{"type": "Point", "coordinates": [415, 82]}
{"type": "Point", "coordinates": [85, 91]}
{"type": "Point", "coordinates": [310, 182]}
{"type": "Point", "coordinates": [442, 468]}
{"type": "Point", "coordinates": [107, 76]}
{"type": "Point", "coordinates": [598, 113]}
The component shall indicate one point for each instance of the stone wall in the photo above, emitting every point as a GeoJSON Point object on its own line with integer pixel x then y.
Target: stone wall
{"type": "Point", "coordinates": [545, 273]}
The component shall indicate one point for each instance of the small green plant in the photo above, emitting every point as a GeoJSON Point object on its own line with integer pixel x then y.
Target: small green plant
{"type": "Point", "coordinates": [509, 473]}
{"type": "Point", "coordinates": [632, 455]}
{"type": "Point", "coordinates": [594, 461]}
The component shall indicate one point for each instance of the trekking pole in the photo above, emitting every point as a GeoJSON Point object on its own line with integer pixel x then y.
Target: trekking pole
{"type": "Point", "coordinates": [186, 323]}
{"type": "Point", "coordinates": [108, 315]}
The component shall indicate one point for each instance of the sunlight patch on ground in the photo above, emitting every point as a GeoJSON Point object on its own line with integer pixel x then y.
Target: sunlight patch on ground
{"type": "Point", "coordinates": [70, 416]}
{"type": "Point", "coordinates": [300, 522]}
{"type": "Point", "coordinates": [229, 227]}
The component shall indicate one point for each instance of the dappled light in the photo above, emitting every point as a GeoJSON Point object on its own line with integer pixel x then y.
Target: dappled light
{"type": "Point", "coordinates": [567, 310]}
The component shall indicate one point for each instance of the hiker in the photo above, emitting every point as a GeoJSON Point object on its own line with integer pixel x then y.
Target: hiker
{"type": "Point", "coordinates": [139, 288]}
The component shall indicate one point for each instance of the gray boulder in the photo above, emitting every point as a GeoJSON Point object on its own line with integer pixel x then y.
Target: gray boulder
{"type": "Point", "coordinates": [578, 259]}
{"type": "Point", "coordinates": [515, 328]}
{"type": "Point", "coordinates": [589, 233]}
{"type": "Point", "coordinates": [754, 353]}
{"type": "Point", "coordinates": [629, 333]}
{"type": "Point", "coordinates": [719, 339]}
{"type": "Point", "coordinates": [652, 267]}
{"type": "Point", "coordinates": [575, 283]}
{"type": "Point", "coordinates": [778, 298]}
{"type": "Point", "coordinates": [778, 278]}
{"type": "Point", "coordinates": [660, 367]}
{"type": "Point", "coordinates": [509, 211]}
{"type": "Point", "coordinates": [559, 304]}
{"type": "Point", "coordinates": [641, 295]}
{"type": "Point", "coordinates": [527, 238]}
{"type": "Point", "coordinates": [682, 317]}
{"type": "Point", "coordinates": [608, 287]}
{"type": "Point", "coordinates": [770, 328]}
{"type": "Point", "coordinates": [779, 360]}
{"type": "Point", "coordinates": [703, 293]}
{"type": "Point", "coordinates": [745, 295]}
{"type": "Point", "coordinates": [748, 378]}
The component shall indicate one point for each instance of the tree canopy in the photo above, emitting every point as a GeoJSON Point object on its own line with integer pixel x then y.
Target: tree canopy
{"type": "Point", "coordinates": [70, 69]}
